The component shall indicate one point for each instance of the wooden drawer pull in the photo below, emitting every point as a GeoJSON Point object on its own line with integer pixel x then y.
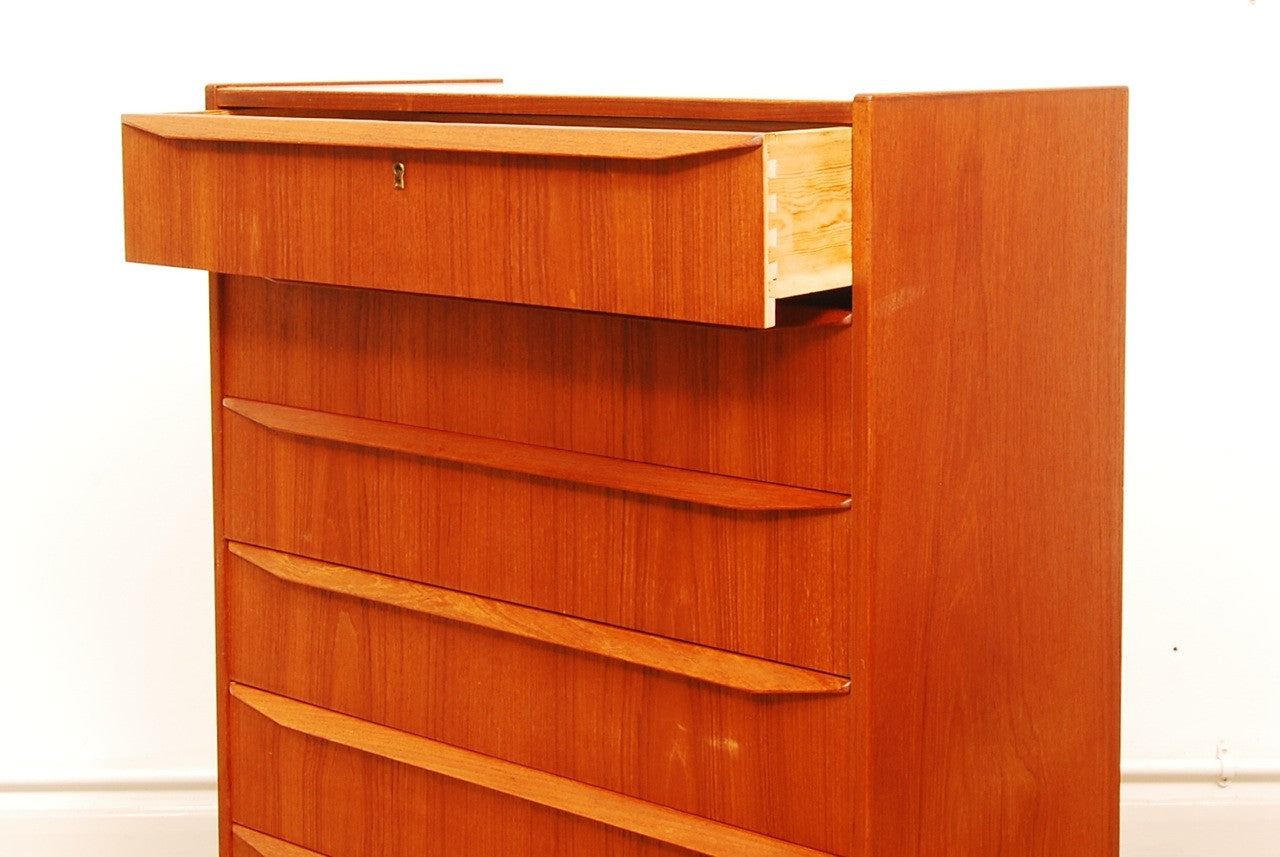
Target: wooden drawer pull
{"type": "Point", "coordinates": [269, 846]}
{"type": "Point", "coordinates": [702, 663]}
{"type": "Point", "coordinates": [619, 811]}
{"type": "Point", "coordinates": [637, 477]}
{"type": "Point", "coordinates": [559, 140]}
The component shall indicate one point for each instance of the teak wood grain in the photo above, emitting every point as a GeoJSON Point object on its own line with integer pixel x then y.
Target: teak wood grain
{"type": "Point", "coordinates": [713, 666]}
{"type": "Point", "coordinates": [646, 144]}
{"type": "Point", "coordinates": [345, 802]}
{"type": "Point", "coordinates": [581, 233]}
{"type": "Point", "coordinates": [567, 796]}
{"type": "Point", "coordinates": [990, 316]}
{"type": "Point", "coordinates": [561, 465]}
{"type": "Point", "coordinates": [485, 98]}
{"type": "Point", "coordinates": [252, 843]}
{"type": "Point", "coordinates": [771, 407]}
{"type": "Point", "coordinates": [761, 583]}
{"type": "Point", "coordinates": [425, 655]}
{"type": "Point", "coordinates": [582, 218]}
{"type": "Point", "coordinates": [753, 408]}
{"type": "Point", "coordinates": [652, 735]}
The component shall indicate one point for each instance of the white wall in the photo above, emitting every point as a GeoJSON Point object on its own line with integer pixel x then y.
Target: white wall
{"type": "Point", "coordinates": [106, 671]}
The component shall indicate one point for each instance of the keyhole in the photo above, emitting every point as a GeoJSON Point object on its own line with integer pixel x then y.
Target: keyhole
{"type": "Point", "coordinates": [397, 172]}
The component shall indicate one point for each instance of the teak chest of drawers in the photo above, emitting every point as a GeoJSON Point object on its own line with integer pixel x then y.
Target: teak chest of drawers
{"type": "Point", "coordinates": [653, 476]}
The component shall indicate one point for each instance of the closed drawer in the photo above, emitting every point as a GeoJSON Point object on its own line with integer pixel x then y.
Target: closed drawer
{"type": "Point", "coordinates": [745, 566]}
{"type": "Point", "coordinates": [483, 704]}
{"type": "Point", "coordinates": [772, 406]}
{"type": "Point", "coordinates": [709, 226]}
{"type": "Point", "coordinates": [321, 793]}
{"type": "Point", "coordinates": [343, 787]}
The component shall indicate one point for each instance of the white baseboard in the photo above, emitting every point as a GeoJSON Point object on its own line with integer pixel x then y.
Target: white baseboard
{"type": "Point", "coordinates": [1185, 818]}
{"type": "Point", "coordinates": [108, 822]}
{"type": "Point", "coordinates": [113, 819]}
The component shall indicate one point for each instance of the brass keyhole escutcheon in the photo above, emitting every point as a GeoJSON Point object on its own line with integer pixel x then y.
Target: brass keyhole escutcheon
{"type": "Point", "coordinates": [397, 173]}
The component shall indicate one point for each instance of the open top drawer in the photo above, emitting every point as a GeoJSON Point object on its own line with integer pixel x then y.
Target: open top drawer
{"type": "Point", "coordinates": [696, 225]}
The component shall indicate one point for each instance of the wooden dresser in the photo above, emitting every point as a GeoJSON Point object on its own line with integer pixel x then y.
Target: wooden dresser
{"type": "Point", "coordinates": [571, 501]}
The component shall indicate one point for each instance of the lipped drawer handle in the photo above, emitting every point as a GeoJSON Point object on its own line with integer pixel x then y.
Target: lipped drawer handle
{"type": "Point", "coordinates": [646, 144]}
{"type": "Point", "coordinates": [613, 809]}
{"type": "Point", "coordinates": [601, 471]}
{"type": "Point", "coordinates": [732, 670]}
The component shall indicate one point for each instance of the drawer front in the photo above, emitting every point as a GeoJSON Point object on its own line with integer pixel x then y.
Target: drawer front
{"type": "Point", "coordinates": [772, 406]}
{"type": "Point", "coordinates": [770, 763]}
{"type": "Point", "coordinates": [696, 226]}
{"type": "Point", "coordinates": [770, 583]}
{"type": "Point", "coordinates": [340, 801]}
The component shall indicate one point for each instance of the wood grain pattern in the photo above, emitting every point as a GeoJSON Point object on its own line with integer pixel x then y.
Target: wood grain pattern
{"type": "Point", "coordinates": [756, 126]}
{"type": "Point", "coordinates": [807, 211]}
{"type": "Point", "coordinates": [251, 842]}
{"type": "Point", "coordinates": [425, 97]}
{"type": "Point", "coordinates": [768, 406]}
{"type": "Point", "coordinates": [219, 572]}
{"type": "Point", "coordinates": [990, 311]}
{"type": "Point", "coordinates": [393, 674]}
{"type": "Point", "coordinates": [745, 403]}
{"type": "Point", "coordinates": [791, 314]}
{"type": "Point", "coordinates": [342, 802]}
{"type": "Point", "coordinates": [726, 669]}
{"type": "Point", "coordinates": [655, 736]}
{"type": "Point", "coordinates": [492, 138]}
{"type": "Point", "coordinates": [443, 83]}
{"type": "Point", "coordinates": [671, 239]}
{"type": "Point", "coordinates": [634, 477]}
{"type": "Point", "coordinates": [564, 795]}
{"type": "Point", "coordinates": [765, 584]}
{"type": "Point", "coordinates": [591, 228]}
